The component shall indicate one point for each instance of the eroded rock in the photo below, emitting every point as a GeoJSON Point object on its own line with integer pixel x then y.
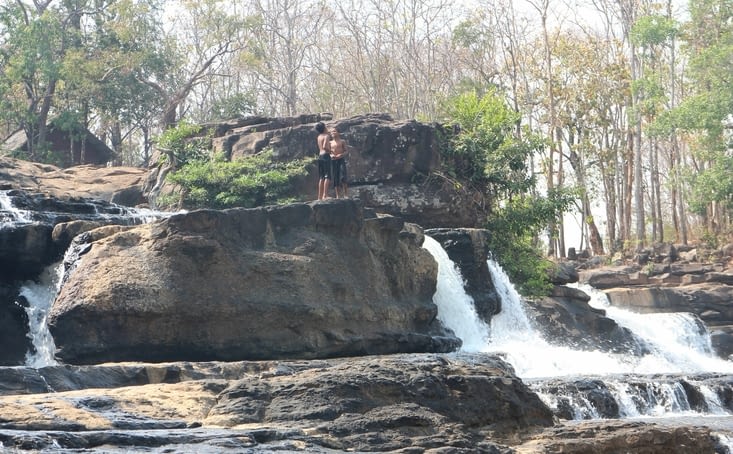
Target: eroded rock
{"type": "Point", "coordinates": [299, 281]}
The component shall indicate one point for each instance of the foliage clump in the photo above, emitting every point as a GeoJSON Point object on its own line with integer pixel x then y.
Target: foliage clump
{"type": "Point", "coordinates": [514, 242]}
{"type": "Point", "coordinates": [181, 145]}
{"type": "Point", "coordinates": [209, 180]}
{"type": "Point", "coordinates": [247, 182]}
{"type": "Point", "coordinates": [487, 152]}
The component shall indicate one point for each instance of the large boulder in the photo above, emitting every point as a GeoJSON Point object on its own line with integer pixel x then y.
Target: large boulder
{"type": "Point", "coordinates": [566, 317]}
{"type": "Point", "coordinates": [297, 281]}
{"type": "Point", "coordinates": [393, 166]}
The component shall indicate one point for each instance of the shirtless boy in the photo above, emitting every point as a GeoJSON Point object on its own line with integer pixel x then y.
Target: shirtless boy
{"type": "Point", "coordinates": [324, 159]}
{"type": "Point", "coordinates": [338, 151]}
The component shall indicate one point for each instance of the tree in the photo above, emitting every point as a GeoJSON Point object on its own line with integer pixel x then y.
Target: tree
{"type": "Point", "coordinates": [36, 40]}
{"type": "Point", "coordinates": [119, 48]}
{"type": "Point", "coordinates": [706, 111]}
{"type": "Point", "coordinates": [487, 154]}
{"type": "Point", "coordinates": [652, 33]}
{"type": "Point", "coordinates": [211, 34]}
{"type": "Point", "coordinates": [82, 61]}
{"type": "Point", "coordinates": [591, 85]}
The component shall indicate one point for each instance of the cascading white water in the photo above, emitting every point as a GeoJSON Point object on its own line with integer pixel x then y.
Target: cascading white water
{"type": "Point", "coordinates": [677, 343]}
{"type": "Point", "coordinates": [455, 306]}
{"type": "Point", "coordinates": [40, 295]}
{"type": "Point", "coordinates": [511, 333]}
{"type": "Point", "coordinates": [16, 215]}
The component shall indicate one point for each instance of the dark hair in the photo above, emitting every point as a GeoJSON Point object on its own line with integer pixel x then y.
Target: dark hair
{"type": "Point", "coordinates": [320, 127]}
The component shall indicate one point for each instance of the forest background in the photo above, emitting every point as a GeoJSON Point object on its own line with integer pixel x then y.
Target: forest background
{"type": "Point", "coordinates": [627, 102]}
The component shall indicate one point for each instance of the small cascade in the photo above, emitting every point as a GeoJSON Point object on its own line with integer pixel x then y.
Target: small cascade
{"type": "Point", "coordinates": [679, 377]}
{"type": "Point", "coordinates": [39, 296]}
{"type": "Point", "coordinates": [10, 213]}
{"type": "Point", "coordinates": [455, 307]}
{"type": "Point", "coordinates": [132, 216]}
{"type": "Point", "coordinates": [678, 342]}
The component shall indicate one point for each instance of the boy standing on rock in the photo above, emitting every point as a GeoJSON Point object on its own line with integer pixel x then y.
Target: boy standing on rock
{"type": "Point", "coordinates": [324, 159]}
{"type": "Point", "coordinates": [338, 151]}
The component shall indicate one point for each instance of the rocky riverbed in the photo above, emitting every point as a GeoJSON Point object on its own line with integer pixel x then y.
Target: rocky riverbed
{"type": "Point", "coordinates": [264, 330]}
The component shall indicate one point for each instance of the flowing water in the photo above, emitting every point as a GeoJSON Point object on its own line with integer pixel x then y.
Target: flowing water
{"type": "Point", "coordinates": [456, 309]}
{"type": "Point", "coordinates": [654, 386]}
{"type": "Point", "coordinates": [40, 294]}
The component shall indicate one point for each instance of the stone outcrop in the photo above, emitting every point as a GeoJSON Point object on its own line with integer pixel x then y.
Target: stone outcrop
{"type": "Point", "coordinates": [46, 227]}
{"type": "Point", "coordinates": [566, 317]}
{"type": "Point", "coordinates": [399, 403]}
{"type": "Point", "coordinates": [120, 185]}
{"type": "Point", "coordinates": [391, 164]}
{"type": "Point", "coordinates": [622, 437]}
{"type": "Point", "coordinates": [298, 281]}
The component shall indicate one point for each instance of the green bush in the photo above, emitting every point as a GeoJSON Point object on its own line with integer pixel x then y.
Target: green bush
{"type": "Point", "coordinates": [514, 243]}
{"type": "Point", "coordinates": [248, 182]}
{"type": "Point", "coordinates": [487, 154]}
{"type": "Point", "coordinates": [181, 146]}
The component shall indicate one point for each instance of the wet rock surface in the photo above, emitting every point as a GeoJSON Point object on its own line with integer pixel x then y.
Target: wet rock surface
{"type": "Point", "coordinates": [423, 403]}
{"type": "Point", "coordinates": [406, 403]}
{"type": "Point", "coordinates": [365, 404]}
{"type": "Point", "coordinates": [567, 317]}
{"type": "Point", "coordinates": [298, 281]}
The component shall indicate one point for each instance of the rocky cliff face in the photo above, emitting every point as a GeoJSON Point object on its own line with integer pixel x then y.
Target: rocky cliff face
{"type": "Point", "coordinates": [393, 166]}
{"type": "Point", "coordinates": [299, 281]}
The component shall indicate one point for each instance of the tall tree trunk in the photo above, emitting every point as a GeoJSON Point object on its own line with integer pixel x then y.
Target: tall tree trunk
{"type": "Point", "coordinates": [657, 193]}
{"type": "Point", "coordinates": [542, 7]}
{"type": "Point", "coordinates": [576, 162]}
{"type": "Point", "coordinates": [678, 204]}
{"type": "Point", "coordinates": [628, 184]}
{"type": "Point", "coordinates": [638, 169]}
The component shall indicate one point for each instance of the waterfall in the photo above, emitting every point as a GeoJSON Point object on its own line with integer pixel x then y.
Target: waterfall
{"type": "Point", "coordinates": [39, 296]}
{"type": "Point", "coordinates": [510, 333]}
{"type": "Point", "coordinates": [679, 342]}
{"type": "Point", "coordinates": [455, 307]}
{"type": "Point", "coordinates": [11, 213]}
{"type": "Point", "coordinates": [514, 336]}
{"type": "Point", "coordinates": [583, 384]}
{"type": "Point", "coordinates": [41, 293]}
